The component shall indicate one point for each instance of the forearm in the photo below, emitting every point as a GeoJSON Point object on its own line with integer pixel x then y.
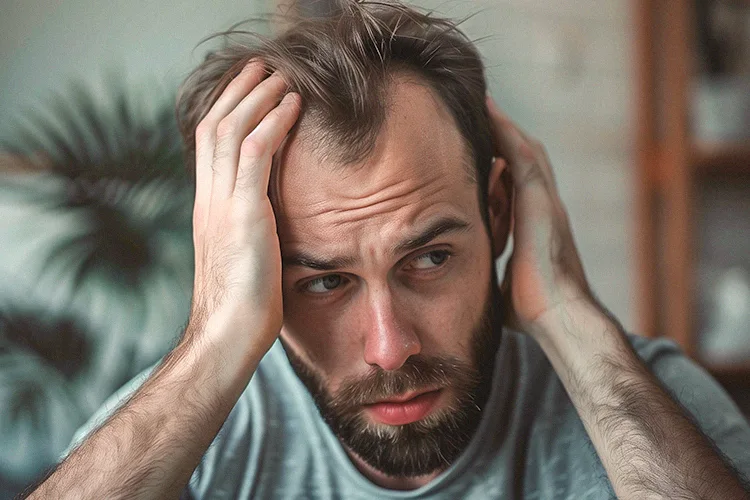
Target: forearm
{"type": "Point", "coordinates": [150, 446]}
{"type": "Point", "coordinates": [648, 445]}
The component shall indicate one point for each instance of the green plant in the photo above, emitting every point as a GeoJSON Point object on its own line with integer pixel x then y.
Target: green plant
{"type": "Point", "coordinates": [121, 166]}
{"type": "Point", "coordinates": [104, 178]}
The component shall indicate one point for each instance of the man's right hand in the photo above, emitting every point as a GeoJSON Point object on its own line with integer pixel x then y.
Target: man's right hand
{"type": "Point", "coordinates": [237, 304]}
{"type": "Point", "coordinates": [149, 447]}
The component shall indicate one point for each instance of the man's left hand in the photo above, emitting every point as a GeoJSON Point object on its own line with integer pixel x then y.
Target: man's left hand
{"type": "Point", "coordinates": [547, 296]}
{"type": "Point", "coordinates": [544, 276]}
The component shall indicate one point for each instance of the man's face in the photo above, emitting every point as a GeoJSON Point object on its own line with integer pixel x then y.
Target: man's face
{"type": "Point", "coordinates": [390, 314]}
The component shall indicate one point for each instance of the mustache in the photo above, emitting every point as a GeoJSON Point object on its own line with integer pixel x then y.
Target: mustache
{"type": "Point", "coordinates": [418, 372]}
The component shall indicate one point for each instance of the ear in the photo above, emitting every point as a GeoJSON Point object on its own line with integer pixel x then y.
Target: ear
{"type": "Point", "coordinates": [499, 205]}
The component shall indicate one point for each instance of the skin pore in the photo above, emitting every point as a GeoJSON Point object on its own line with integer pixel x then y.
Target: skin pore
{"type": "Point", "coordinates": [388, 259]}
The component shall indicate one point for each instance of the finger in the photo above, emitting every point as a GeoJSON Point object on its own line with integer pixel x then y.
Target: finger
{"type": "Point", "coordinates": [258, 148]}
{"type": "Point", "coordinates": [511, 143]}
{"type": "Point", "coordinates": [250, 76]}
{"type": "Point", "coordinates": [533, 201]}
{"type": "Point", "coordinates": [234, 127]}
{"type": "Point", "coordinates": [205, 136]}
{"type": "Point", "coordinates": [500, 120]}
{"type": "Point", "coordinates": [545, 163]}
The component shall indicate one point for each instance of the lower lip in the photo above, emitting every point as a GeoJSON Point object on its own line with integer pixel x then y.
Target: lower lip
{"type": "Point", "coordinates": [404, 413]}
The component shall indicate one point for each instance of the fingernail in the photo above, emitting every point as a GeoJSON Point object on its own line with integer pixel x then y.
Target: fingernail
{"type": "Point", "coordinates": [252, 63]}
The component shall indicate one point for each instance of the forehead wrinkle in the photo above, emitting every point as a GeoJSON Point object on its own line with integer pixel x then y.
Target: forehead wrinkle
{"type": "Point", "coordinates": [398, 237]}
{"type": "Point", "coordinates": [388, 201]}
{"type": "Point", "coordinates": [350, 208]}
{"type": "Point", "coordinates": [415, 161]}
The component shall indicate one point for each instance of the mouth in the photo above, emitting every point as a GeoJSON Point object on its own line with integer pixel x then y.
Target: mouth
{"type": "Point", "coordinates": [404, 409]}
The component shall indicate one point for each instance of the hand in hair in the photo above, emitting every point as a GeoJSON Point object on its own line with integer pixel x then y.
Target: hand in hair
{"type": "Point", "coordinates": [163, 429]}
{"type": "Point", "coordinates": [545, 272]}
{"type": "Point", "coordinates": [237, 256]}
{"type": "Point", "coordinates": [649, 445]}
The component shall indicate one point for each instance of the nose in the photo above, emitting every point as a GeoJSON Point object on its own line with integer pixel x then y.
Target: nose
{"type": "Point", "coordinates": [389, 341]}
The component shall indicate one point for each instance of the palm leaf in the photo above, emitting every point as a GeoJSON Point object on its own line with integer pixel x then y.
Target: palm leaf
{"type": "Point", "coordinates": [115, 157]}
{"type": "Point", "coordinates": [60, 341]}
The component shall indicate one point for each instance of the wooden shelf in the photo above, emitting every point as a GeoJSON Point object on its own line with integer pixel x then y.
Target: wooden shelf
{"type": "Point", "coordinates": [721, 158]}
{"type": "Point", "coordinates": [669, 162]}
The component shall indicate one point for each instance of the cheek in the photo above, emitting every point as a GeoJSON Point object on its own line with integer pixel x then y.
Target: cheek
{"type": "Point", "coordinates": [448, 318]}
{"type": "Point", "coordinates": [443, 318]}
{"type": "Point", "coordinates": [322, 335]}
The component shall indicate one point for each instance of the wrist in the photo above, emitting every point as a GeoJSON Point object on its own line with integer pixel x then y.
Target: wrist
{"type": "Point", "coordinates": [578, 333]}
{"type": "Point", "coordinates": [221, 350]}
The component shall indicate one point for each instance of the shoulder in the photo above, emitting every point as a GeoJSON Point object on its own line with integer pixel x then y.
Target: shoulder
{"type": "Point", "coordinates": [704, 399]}
{"type": "Point", "coordinates": [262, 426]}
{"type": "Point", "coordinates": [268, 431]}
{"type": "Point", "coordinates": [689, 383]}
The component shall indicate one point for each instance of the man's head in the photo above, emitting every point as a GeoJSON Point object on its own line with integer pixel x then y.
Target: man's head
{"type": "Point", "coordinates": [388, 218]}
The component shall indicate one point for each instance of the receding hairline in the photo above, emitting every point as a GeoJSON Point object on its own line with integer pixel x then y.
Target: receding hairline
{"type": "Point", "coordinates": [307, 131]}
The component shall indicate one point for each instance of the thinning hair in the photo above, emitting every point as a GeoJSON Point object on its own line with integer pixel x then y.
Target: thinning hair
{"type": "Point", "coordinates": [343, 64]}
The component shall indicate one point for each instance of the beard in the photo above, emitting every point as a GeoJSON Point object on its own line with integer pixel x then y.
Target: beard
{"type": "Point", "coordinates": [427, 445]}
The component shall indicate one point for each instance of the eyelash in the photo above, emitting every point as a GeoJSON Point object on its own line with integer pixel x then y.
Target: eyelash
{"type": "Point", "coordinates": [305, 287]}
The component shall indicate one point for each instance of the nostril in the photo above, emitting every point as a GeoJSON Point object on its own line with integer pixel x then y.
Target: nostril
{"type": "Point", "coordinates": [389, 341]}
{"type": "Point", "coordinates": [390, 350]}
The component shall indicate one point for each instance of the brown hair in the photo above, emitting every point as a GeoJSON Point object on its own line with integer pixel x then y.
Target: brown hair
{"type": "Point", "coordinates": [341, 65]}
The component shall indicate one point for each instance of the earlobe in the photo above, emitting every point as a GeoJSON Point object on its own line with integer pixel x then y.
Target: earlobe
{"type": "Point", "coordinates": [499, 203]}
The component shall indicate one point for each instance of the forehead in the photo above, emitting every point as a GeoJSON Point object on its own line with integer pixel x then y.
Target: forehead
{"type": "Point", "coordinates": [419, 168]}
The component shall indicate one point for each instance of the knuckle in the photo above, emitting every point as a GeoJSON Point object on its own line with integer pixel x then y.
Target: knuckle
{"type": "Point", "coordinates": [239, 81]}
{"type": "Point", "coordinates": [526, 152]}
{"type": "Point", "coordinates": [227, 127]}
{"type": "Point", "coordinates": [531, 175]}
{"type": "Point", "coordinates": [277, 113]}
{"type": "Point", "coordinates": [275, 81]}
{"type": "Point", "coordinates": [252, 147]}
{"type": "Point", "coordinates": [287, 108]}
{"type": "Point", "coordinates": [245, 181]}
{"type": "Point", "coordinates": [203, 129]}
{"type": "Point", "coordinates": [282, 114]}
{"type": "Point", "coordinates": [240, 215]}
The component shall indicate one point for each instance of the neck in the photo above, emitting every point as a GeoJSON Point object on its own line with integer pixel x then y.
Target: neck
{"type": "Point", "coordinates": [390, 482]}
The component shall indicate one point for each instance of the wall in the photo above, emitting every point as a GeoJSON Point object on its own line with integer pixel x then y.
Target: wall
{"type": "Point", "coordinates": [561, 69]}
{"type": "Point", "coordinates": [45, 43]}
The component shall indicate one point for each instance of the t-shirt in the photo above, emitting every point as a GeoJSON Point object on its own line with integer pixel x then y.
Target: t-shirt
{"type": "Point", "coordinates": [530, 443]}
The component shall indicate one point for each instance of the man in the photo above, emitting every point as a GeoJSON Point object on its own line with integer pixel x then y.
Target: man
{"type": "Point", "coordinates": [353, 188]}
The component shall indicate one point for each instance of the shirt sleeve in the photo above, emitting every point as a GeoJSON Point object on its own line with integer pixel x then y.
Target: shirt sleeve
{"type": "Point", "coordinates": [712, 409]}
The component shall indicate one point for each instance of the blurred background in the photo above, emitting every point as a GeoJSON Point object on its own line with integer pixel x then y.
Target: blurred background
{"type": "Point", "coordinates": [643, 105]}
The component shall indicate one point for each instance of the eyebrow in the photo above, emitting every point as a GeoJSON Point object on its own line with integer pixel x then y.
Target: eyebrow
{"type": "Point", "coordinates": [442, 226]}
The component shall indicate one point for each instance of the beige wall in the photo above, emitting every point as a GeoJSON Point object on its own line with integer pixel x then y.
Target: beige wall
{"type": "Point", "coordinates": [559, 67]}
{"type": "Point", "coordinates": [562, 69]}
{"type": "Point", "coordinates": [45, 43]}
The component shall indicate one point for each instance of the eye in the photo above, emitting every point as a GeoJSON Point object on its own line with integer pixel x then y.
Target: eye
{"type": "Point", "coordinates": [430, 260]}
{"type": "Point", "coordinates": [323, 284]}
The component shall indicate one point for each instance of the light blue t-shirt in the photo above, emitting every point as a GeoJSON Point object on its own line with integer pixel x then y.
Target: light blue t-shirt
{"type": "Point", "coordinates": [530, 444]}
